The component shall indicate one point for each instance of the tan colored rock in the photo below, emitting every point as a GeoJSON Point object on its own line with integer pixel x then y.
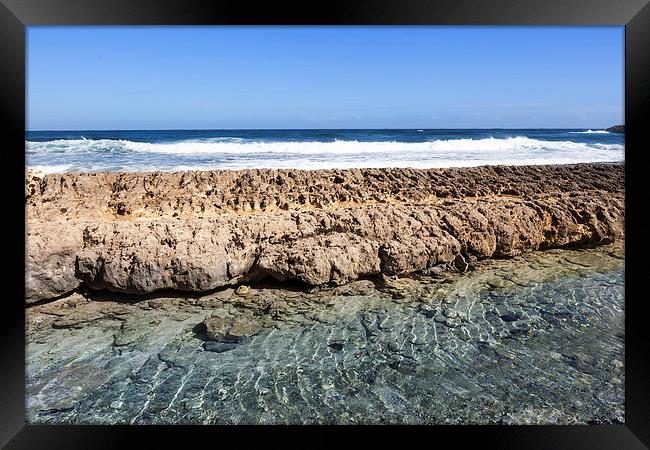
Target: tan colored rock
{"type": "Point", "coordinates": [243, 290]}
{"type": "Point", "coordinates": [52, 249]}
{"type": "Point", "coordinates": [197, 231]}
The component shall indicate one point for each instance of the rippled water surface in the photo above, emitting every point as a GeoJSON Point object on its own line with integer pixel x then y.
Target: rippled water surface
{"type": "Point", "coordinates": [535, 339]}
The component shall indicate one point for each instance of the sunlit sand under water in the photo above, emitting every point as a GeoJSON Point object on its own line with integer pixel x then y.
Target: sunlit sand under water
{"type": "Point", "coordinates": [532, 340]}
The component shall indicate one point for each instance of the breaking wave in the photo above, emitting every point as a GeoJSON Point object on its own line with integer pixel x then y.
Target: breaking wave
{"type": "Point", "coordinates": [239, 147]}
{"type": "Point", "coordinates": [590, 132]}
{"type": "Point", "coordinates": [237, 153]}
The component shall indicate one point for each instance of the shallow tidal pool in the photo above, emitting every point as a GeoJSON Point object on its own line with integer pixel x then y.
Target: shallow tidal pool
{"type": "Point", "coordinates": [537, 339]}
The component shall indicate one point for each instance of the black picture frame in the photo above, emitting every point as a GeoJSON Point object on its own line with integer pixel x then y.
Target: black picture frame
{"type": "Point", "coordinates": [15, 15]}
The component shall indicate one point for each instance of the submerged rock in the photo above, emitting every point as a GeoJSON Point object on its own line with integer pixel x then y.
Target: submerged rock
{"type": "Point", "coordinates": [336, 345]}
{"type": "Point", "coordinates": [227, 329]}
{"type": "Point", "coordinates": [218, 347]}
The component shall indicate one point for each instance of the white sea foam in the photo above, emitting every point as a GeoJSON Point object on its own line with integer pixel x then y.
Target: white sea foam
{"type": "Point", "coordinates": [590, 132]}
{"type": "Point", "coordinates": [357, 147]}
{"type": "Point", "coordinates": [236, 153]}
{"type": "Point", "coordinates": [309, 147]}
{"type": "Point", "coordinates": [54, 168]}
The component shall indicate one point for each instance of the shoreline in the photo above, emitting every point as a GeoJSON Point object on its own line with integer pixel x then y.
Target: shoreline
{"type": "Point", "coordinates": [41, 170]}
{"type": "Point", "coordinates": [376, 286]}
{"type": "Point", "coordinates": [345, 354]}
{"type": "Point", "coordinates": [141, 233]}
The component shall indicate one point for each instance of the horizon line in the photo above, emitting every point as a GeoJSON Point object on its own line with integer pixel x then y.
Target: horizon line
{"type": "Point", "coordinates": [310, 129]}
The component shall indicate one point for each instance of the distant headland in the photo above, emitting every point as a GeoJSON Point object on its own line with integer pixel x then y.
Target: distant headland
{"type": "Point", "coordinates": [616, 129]}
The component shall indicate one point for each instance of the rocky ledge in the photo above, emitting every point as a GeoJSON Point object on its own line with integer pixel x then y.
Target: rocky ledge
{"type": "Point", "coordinates": [616, 129]}
{"type": "Point", "coordinates": [198, 231]}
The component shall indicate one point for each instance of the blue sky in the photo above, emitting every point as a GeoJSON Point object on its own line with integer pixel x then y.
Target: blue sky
{"type": "Point", "coordinates": [81, 78]}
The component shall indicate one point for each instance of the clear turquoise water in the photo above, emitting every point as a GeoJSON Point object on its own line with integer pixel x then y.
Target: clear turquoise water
{"type": "Point", "coordinates": [537, 339]}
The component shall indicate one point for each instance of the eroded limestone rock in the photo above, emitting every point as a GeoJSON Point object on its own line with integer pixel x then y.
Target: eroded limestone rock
{"type": "Point", "coordinates": [197, 231]}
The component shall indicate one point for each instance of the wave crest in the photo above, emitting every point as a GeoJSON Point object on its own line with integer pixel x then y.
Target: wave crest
{"type": "Point", "coordinates": [590, 132]}
{"type": "Point", "coordinates": [234, 153]}
{"type": "Point", "coordinates": [237, 147]}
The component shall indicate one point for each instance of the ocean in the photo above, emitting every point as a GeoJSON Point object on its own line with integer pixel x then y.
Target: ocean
{"type": "Point", "coordinates": [173, 150]}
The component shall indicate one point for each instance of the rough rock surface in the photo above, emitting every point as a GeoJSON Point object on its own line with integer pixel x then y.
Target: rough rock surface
{"type": "Point", "coordinates": [196, 231]}
{"type": "Point", "coordinates": [228, 329]}
{"type": "Point", "coordinates": [616, 129]}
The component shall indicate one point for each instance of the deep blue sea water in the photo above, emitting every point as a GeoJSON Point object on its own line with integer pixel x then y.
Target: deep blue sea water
{"type": "Point", "coordinates": [168, 150]}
